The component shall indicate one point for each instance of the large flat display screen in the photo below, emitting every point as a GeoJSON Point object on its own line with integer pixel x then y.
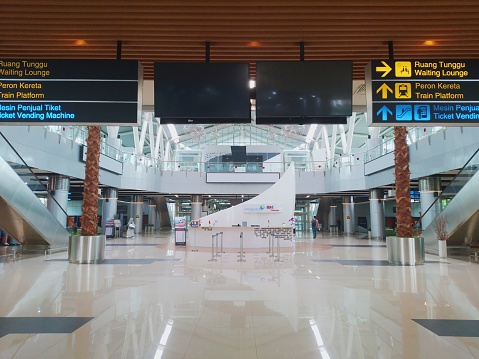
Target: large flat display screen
{"type": "Point", "coordinates": [202, 92]}
{"type": "Point", "coordinates": [87, 92]}
{"type": "Point", "coordinates": [298, 91]}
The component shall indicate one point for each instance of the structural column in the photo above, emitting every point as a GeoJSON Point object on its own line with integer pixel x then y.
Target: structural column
{"type": "Point", "coordinates": [204, 207]}
{"type": "Point", "coordinates": [137, 212]}
{"type": "Point", "coordinates": [196, 206]}
{"type": "Point", "coordinates": [110, 205]}
{"type": "Point", "coordinates": [348, 214]}
{"type": "Point", "coordinates": [58, 187]}
{"type": "Point", "coordinates": [152, 214]}
{"type": "Point", "coordinates": [376, 210]}
{"type": "Point", "coordinates": [429, 188]}
{"type": "Point", "coordinates": [332, 216]}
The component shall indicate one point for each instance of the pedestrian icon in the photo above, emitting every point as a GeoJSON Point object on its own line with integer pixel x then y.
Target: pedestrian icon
{"type": "Point", "coordinates": [403, 90]}
{"type": "Point", "coordinates": [422, 113]}
{"type": "Point", "coordinates": [403, 69]}
{"type": "Point", "coordinates": [403, 113]}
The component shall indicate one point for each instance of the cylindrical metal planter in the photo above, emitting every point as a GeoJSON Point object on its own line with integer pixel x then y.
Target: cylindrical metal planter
{"type": "Point", "coordinates": [405, 251]}
{"type": "Point", "coordinates": [86, 249]}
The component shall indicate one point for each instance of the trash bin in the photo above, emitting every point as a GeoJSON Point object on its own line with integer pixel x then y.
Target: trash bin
{"type": "Point", "coordinates": [86, 249]}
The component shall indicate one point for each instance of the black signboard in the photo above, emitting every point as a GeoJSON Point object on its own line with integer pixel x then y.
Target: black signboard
{"type": "Point", "coordinates": [86, 92]}
{"type": "Point", "coordinates": [423, 92]}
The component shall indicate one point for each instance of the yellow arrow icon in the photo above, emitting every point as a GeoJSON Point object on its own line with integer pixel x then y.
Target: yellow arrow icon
{"type": "Point", "coordinates": [386, 69]}
{"type": "Point", "coordinates": [384, 89]}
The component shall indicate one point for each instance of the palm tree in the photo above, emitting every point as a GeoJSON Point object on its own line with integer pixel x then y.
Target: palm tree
{"type": "Point", "coordinates": [402, 174]}
{"type": "Point", "coordinates": [89, 222]}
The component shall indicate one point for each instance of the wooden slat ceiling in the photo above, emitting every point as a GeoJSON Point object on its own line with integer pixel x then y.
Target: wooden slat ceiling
{"type": "Point", "coordinates": [239, 31]}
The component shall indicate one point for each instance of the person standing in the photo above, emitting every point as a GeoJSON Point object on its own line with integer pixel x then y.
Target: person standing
{"type": "Point", "coordinates": [130, 233]}
{"type": "Point", "coordinates": [314, 226]}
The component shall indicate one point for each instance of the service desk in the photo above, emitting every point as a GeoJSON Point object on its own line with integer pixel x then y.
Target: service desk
{"type": "Point", "coordinates": [253, 237]}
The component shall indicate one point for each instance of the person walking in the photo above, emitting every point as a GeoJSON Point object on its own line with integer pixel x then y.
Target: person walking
{"type": "Point", "coordinates": [314, 226]}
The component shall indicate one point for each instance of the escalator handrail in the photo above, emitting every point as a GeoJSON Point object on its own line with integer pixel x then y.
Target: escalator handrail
{"type": "Point", "coordinates": [33, 173]}
{"type": "Point", "coordinates": [452, 181]}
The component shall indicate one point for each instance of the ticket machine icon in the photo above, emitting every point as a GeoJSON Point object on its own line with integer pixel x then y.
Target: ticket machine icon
{"type": "Point", "coordinates": [422, 113]}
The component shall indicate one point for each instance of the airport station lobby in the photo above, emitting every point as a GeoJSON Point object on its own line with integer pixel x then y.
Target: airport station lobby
{"type": "Point", "coordinates": [203, 106]}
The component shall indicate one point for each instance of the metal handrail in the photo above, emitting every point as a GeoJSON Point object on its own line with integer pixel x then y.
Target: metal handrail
{"type": "Point", "coordinates": [450, 185]}
{"type": "Point", "coordinates": [33, 173]}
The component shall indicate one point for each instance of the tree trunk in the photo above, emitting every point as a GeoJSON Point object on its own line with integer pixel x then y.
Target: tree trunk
{"type": "Point", "coordinates": [89, 221]}
{"type": "Point", "coordinates": [402, 174]}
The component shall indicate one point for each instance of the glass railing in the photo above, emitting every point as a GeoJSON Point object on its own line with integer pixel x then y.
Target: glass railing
{"type": "Point", "coordinates": [414, 134]}
{"type": "Point", "coordinates": [79, 135]}
{"type": "Point", "coordinates": [459, 181]}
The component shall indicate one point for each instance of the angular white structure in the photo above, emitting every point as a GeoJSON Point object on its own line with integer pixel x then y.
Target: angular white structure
{"type": "Point", "coordinates": [270, 212]}
{"type": "Point", "coordinates": [274, 207]}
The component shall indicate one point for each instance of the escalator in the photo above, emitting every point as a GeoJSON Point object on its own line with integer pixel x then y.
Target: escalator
{"type": "Point", "coordinates": [162, 209]}
{"type": "Point", "coordinates": [22, 214]}
{"type": "Point", "coordinates": [458, 205]}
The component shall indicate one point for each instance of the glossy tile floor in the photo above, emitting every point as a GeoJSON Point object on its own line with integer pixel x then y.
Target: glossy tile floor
{"type": "Point", "coordinates": [334, 297]}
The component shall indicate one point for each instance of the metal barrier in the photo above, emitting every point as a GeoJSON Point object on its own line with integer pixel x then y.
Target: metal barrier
{"type": "Point", "coordinates": [271, 244]}
{"type": "Point", "coordinates": [213, 248]}
{"type": "Point", "coordinates": [277, 250]}
{"type": "Point", "coordinates": [217, 252]}
{"type": "Point", "coordinates": [149, 228]}
{"type": "Point", "coordinates": [221, 248]}
{"type": "Point", "coordinates": [241, 252]}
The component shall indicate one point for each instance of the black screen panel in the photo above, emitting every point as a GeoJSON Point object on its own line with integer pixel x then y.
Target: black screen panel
{"type": "Point", "coordinates": [202, 92]}
{"type": "Point", "coordinates": [298, 90]}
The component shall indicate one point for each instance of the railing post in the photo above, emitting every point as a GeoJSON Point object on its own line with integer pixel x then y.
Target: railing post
{"type": "Point", "coordinates": [269, 242]}
{"type": "Point", "coordinates": [271, 250]}
{"type": "Point", "coordinates": [221, 249]}
{"type": "Point", "coordinates": [212, 249]}
{"type": "Point", "coordinates": [241, 255]}
{"type": "Point", "coordinates": [277, 250]}
{"type": "Point", "coordinates": [217, 253]}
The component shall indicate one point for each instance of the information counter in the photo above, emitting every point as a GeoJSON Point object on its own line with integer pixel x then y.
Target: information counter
{"type": "Point", "coordinates": [253, 237]}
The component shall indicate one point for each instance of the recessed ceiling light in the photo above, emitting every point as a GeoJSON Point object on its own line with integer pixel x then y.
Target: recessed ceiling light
{"type": "Point", "coordinates": [80, 43]}
{"type": "Point", "coordinates": [430, 43]}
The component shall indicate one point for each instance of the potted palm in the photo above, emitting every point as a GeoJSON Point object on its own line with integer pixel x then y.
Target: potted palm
{"type": "Point", "coordinates": [89, 246]}
{"type": "Point", "coordinates": [403, 248]}
{"type": "Point", "coordinates": [440, 227]}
